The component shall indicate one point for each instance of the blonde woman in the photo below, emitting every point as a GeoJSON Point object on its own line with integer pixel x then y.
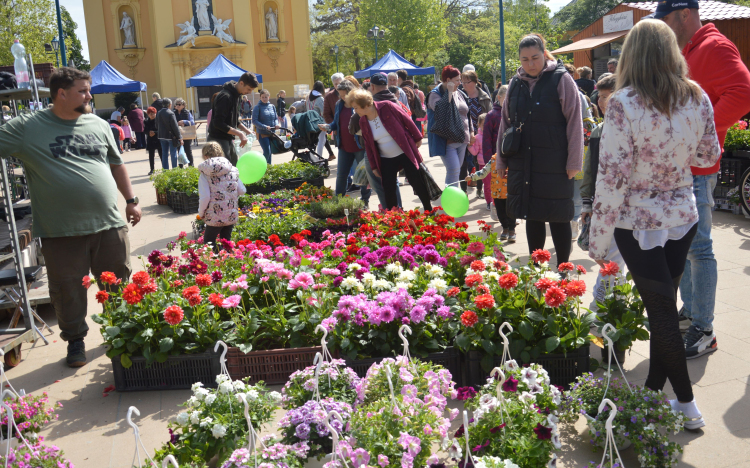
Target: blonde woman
{"type": "Point", "coordinates": [659, 123]}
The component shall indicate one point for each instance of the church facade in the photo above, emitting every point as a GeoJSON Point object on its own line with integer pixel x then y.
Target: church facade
{"type": "Point", "coordinates": [164, 42]}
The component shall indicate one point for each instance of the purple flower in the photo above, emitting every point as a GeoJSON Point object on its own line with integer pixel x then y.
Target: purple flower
{"type": "Point", "coordinates": [444, 312]}
{"type": "Point", "coordinates": [418, 314]}
{"type": "Point", "coordinates": [302, 431]}
{"type": "Point", "coordinates": [510, 385]}
{"type": "Point", "coordinates": [466, 393]}
{"type": "Point", "coordinates": [153, 257]}
{"type": "Point", "coordinates": [337, 281]}
{"type": "Point", "coordinates": [363, 251]}
{"type": "Point", "coordinates": [387, 314]}
{"type": "Point", "coordinates": [431, 257]}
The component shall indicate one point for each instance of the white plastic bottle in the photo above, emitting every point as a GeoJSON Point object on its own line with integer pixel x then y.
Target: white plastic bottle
{"type": "Point", "coordinates": [22, 68]}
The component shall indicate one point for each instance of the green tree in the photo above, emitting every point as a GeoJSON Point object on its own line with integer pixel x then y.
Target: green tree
{"type": "Point", "coordinates": [413, 28]}
{"type": "Point", "coordinates": [32, 22]}
{"type": "Point", "coordinates": [335, 22]}
{"type": "Point", "coordinates": [73, 47]}
{"type": "Point", "coordinates": [577, 15]}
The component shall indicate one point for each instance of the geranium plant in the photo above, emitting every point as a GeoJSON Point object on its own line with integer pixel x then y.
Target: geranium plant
{"type": "Point", "coordinates": [335, 380]}
{"type": "Point", "coordinates": [212, 423]}
{"type": "Point", "coordinates": [644, 417]}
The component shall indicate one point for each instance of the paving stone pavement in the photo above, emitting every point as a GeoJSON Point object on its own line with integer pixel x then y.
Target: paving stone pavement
{"type": "Point", "coordinates": [92, 429]}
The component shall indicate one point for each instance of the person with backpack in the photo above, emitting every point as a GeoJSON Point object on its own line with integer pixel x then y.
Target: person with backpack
{"type": "Point", "coordinates": [412, 97]}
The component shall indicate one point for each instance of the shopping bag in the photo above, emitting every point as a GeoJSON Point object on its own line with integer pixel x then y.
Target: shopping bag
{"type": "Point", "coordinates": [433, 189]}
{"type": "Point", "coordinates": [182, 158]}
{"type": "Point", "coordinates": [360, 174]}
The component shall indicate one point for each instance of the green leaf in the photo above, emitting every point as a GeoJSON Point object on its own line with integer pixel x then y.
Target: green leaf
{"type": "Point", "coordinates": [488, 362]}
{"type": "Point", "coordinates": [112, 331]}
{"type": "Point", "coordinates": [488, 346]}
{"type": "Point", "coordinates": [526, 330]}
{"type": "Point", "coordinates": [148, 333]}
{"type": "Point", "coordinates": [345, 343]}
{"type": "Point", "coordinates": [165, 344]}
{"type": "Point", "coordinates": [118, 343]}
{"type": "Point", "coordinates": [161, 357]}
{"type": "Point", "coordinates": [463, 341]}
{"type": "Point", "coordinates": [488, 331]}
{"type": "Point", "coordinates": [125, 360]}
{"type": "Point", "coordinates": [552, 343]}
{"type": "Point", "coordinates": [525, 356]}
{"type": "Point", "coordinates": [535, 316]}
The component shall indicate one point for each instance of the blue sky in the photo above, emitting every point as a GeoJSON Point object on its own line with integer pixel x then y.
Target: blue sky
{"type": "Point", "coordinates": [75, 7]}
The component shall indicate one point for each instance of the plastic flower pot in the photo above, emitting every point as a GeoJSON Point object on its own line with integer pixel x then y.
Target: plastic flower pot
{"type": "Point", "coordinates": [622, 441]}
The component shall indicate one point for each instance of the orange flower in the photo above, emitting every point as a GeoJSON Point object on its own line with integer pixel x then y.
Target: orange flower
{"type": "Point", "coordinates": [216, 299]}
{"type": "Point", "coordinates": [453, 292]}
{"type": "Point", "coordinates": [132, 294]}
{"type": "Point", "coordinates": [472, 280]}
{"type": "Point", "coordinates": [102, 297]}
{"type": "Point", "coordinates": [149, 288]}
{"type": "Point", "coordinates": [477, 265]}
{"type": "Point", "coordinates": [508, 281]}
{"type": "Point", "coordinates": [576, 288]}
{"type": "Point", "coordinates": [191, 291]}
{"type": "Point", "coordinates": [108, 277]}
{"type": "Point", "coordinates": [485, 301]}
{"type": "Point", "coordinates": [469, 318]}
{"type": "Point", "coordinates": [203, 280]}
{"type": "Point", "coordinates": [173, 315]}
{"type": "Point", "coordinates": [141, 278]}
{"type": "Point", "coordinates": [566, 266]}
{"type": "Point", "coordinates": [610, 269]}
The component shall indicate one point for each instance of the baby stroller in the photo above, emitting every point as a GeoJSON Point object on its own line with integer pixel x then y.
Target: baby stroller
{"type": "Point", "coordinates": [304, 140]}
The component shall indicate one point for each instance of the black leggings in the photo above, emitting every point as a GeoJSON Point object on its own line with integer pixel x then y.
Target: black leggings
{"type": "Point", "coordinates": [188, 151]}
{"type": "Point", "coordinates": [389, 168]}
{"type": "Point", "coordinates": [562, 235]}
{"type": "Point", "coordinates": [212, 232]}
{"type": "Point", "coordinates": [151, 155]}
{"type": "Point", "coordinates": [656, 274]}
{"type": "Point", "coordinates": [502, 214]}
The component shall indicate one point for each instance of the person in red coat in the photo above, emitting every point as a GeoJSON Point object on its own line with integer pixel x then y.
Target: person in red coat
{"type": "Point", "coordinates": [392, 141]}
{"type": "Point", "coordinates": [135, 117]}
{"type": "Point", "coordinates": [715, 64]}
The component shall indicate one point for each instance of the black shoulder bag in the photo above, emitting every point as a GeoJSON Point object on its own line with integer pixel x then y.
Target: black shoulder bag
{"type": "Point", "coordinates": [512, 136]}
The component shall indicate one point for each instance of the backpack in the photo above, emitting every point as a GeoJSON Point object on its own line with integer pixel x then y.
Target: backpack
{"type": "Point", "coordinates": [415, 105]}
{"type": "Point", "coordinates": [7, 81]}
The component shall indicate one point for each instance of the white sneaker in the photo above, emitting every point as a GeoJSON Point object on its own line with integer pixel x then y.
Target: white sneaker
{"type": "Point", "coordinates": [574, 226]}
{"type": "Point", "coordinates": [693, 417]}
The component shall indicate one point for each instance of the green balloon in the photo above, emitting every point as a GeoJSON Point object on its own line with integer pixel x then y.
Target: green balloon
{"type": "Point", "coordinates": [252, 166]}
{"type": "Point", "coordinates": [454, 201]}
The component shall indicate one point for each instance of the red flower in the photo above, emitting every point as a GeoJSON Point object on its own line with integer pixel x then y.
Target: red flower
{"type": "Point", "coordinates": [194, 300]}
{"type": "Point", "coordinates": [149, 288]}
{"type": "Point", "coordinates": [543, 432]}
{"type": "Point", "coordinates": [508, 281]}
{"type": "Point", "coordinates": [108, 277]}
{"type": "Point", "coordinates": [203, 280]}
{"type": "Point", "coordinates": [469, 318]}
{"type": "Point", "coordinates": [554, 297]}
{"type": "Point", "coordinates": [102, 297]}
{"type": "Point", "coordinates": [477, 265]}
{"type": "Point", "coordinates": [497, 429]}
{"type": "Point", "coordinates": [191, 291]}
{"type": "Point", "coordinates": [501, 265]}
{"type": "Point", "coordinates": [610, 269]}
{"type": "Point", "coordinates": [541, 256]}
{"type": "Point", "coordinates": [483, 289]}
{"type": "Point", "coordinates": [485, 301]}
{"type": "Point", "coordinates": [176, 283]}
{"type": "Point", "coordinates": [132, 294]}
{"type": "Point", "coordinates": [87, 281]}
{"type": "Point", "coordinates": [473, 280]}
{"type": "Point", "coordinates": [173, 315]}
{"type": "Point", "coordinates": [544, 284]}
{"type": "Point", "coordinates": [141, 278]}
{"type": "Point", "coordinates": [581, 270]}
{"type": "Point", "coordinates": [452, 292]}
{"type": "Point", "coordinates": [576, 288]}
{"type": "Point", "coordinates": [216, 299]}
{"type": "Point", "coordinates": [567, 266]}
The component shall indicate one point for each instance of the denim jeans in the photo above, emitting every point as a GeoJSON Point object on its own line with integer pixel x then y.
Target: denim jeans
{"type": "Point", "coordinates": [377, 185]}
{"type": "Point", "coordinates": [577, 200]}
{"type": "Point", "coordinates": [346, 162]}
{"type": "Point", "coordinates": [168, 150]}
{"type": "Point", "coordinates": [265, 144]}
{"type": "Point", "coordinates": [698, 285]}
{"type": "Point", "coordinates": [453, 160]}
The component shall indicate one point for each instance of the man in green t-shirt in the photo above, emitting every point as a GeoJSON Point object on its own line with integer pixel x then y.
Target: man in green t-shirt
{"type": "Point", "coordinates": [74, 171]}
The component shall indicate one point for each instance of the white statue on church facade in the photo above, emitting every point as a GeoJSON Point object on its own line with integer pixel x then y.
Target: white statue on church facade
{"type": "Point", "coordinates": [201, 12]}
{"type": "Point", "coordinates": [272, 25]}
{"type": "Point", "coordinates": [188, 33]}
{"type": "Point", "coordinates": [221, 29]}
{"type": "Point", "coordinates": [126, 25]}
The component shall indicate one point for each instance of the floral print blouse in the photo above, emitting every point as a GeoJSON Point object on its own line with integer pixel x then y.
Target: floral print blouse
{"type": "Point", "coordinates": [644, 180]}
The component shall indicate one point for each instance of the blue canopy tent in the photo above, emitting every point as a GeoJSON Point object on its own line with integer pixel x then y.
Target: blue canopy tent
{"type": "Point", "coordinates": [392, 62]}
{"type": "Point", "coordinates": [105, 79]}
{"type": "Point", "coordinates": [217, 73]}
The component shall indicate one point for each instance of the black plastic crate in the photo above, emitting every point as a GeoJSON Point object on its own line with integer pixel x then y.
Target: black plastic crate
{"type": "Point", "coordinates": [178, 372]}
{"type": "Point", "coordinates": [183, 203]}
{"type": "Point", "coordinates": [562, 369]}
{"type": "Point", "coordinates": [729, 175]}
{"type": "Point", "coordinates": [450, 359]}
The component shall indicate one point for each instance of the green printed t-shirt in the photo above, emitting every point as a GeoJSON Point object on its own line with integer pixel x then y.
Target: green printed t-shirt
{"type": "Point", "coordinates": [67, 163]}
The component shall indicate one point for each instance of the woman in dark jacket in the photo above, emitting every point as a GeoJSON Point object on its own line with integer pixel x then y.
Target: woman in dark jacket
{"type": "Point", "coordinates": [152, 139]}
{"type": "Point", "coordinates": [543, 100]}
{"type": "Point", "coordinates": [392, 142]}
{"type": "Point", "coordinates": [184, 119]}
{"type": "Point", "coordinates": [281, 108]}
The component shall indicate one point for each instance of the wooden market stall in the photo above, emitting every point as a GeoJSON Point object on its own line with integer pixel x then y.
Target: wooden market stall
{"type": "Point", "coordinates": [602, 40]}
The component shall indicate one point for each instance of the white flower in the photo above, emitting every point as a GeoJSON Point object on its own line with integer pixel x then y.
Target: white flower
{"type": "Point", "coordinates": [238, 385]}
{"type": "Point", "coordinates": [455, 450]}
{"type": "Point", "coordinates": [510, 464]}
{"type": "Point", "coordinates": [536, 389]}
{"type": "Point", "coordinates": [553, 462]}
{"type": "Point", "coordinates": [526, 397]}
{"type": "Point", "coordinates": [226, 387]}
{"type": "Point", "coordinates": [511, 365]}
{"type": "Point", "coordinates": [401, 285]}
{"type": "Point", "coordinates": [206, 421]}
{"type": "Point", "coordinates": [528, 376]}
{"type": "Point", "coordinates": [489, 262]}
{"type": "Point", "coordinates": [210, 399]}
{"type": "Point", "coordinates": [368, 279]}
{"type": "Point", "coordinates": [252, 394]}
{"type": "Point", "coordinates": [219, 431]}
{"type": "Point", "coordinates": [393, 268]}
{"type": "Point", "coordinates": [406, 276]}
{"type": "Point", "coordinates": [350, 282]}
{"type": "Point", "coordinates": [434, 271]}
{"type": "Point", "coordinates": [478, 414]}
{"type": "Point", "coordinates": [551, 275]}
{"type": "Point", "coordinates": [275, 396]}
{"type": "Point", "coordinates": [494, 276]}
{"type": "Point", "coordinates": [439, 284]}
{"type": "Point", "coordinates": [200, 394]}
{"type": "Point", "coordinates": [479, 463]}
{"type": "Point", "coordinates": [222, 378]}
{"type": "Point", "coordinates": [183, 418]}
{"type": "Point", "coordinates": [196, 386]}
{"type": "Point", "coordinates": [193, 401]}
{"type": "Point", "coordinates": [556, 440]}
{"type": "Point", "coordinates": [488, 402]}
{"type": "Point", "coordinates": [195, 417]}
{"type": "Point", "coordinates": [382, 285]}
{"type": "Point", "coordinates": [354, 267]}
{"type": "Point", "coordinates": [445, 443]}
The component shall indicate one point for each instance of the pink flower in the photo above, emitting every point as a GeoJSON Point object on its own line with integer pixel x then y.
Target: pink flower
{"type": "Point", "coordinates": [336, 253]}
{"type": "Point", "coordinates": [301, 280]}
{"type": "Point", "coordinates": [360, 457]}
{"type": "Point", "coordinates": [231, 301]}
{"type": "Point", "coordinates": [382, 461]}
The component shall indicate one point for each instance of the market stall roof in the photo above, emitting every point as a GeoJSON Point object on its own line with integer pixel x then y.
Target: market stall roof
{"type": "Point", "coordinates": [708, 10]}
{"type": "Point", "coordinates": [217, 73]}
{"type": "Point", "coordinates": [589, 43]}
{"type": "Point", "coordinates": [392, 62]}
{"type": "Point", "coordinates": [105, 79]}
{"type": "Point", "coordinates": [22, 94]}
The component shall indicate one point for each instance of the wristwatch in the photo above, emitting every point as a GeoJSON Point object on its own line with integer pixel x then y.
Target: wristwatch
{"type": "Point", "coordinates": [133, 201]}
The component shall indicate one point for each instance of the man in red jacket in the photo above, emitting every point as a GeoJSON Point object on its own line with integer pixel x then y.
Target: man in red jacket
{"type": "Point", "coordinates": [715, 64]}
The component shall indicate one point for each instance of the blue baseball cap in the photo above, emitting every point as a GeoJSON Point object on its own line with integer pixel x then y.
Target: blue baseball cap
{"type": "Point", "coordinates": [666, 7]}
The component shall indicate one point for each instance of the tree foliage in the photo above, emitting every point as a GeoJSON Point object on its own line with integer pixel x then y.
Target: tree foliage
{"type": "Point", "coordinates": [577, 15]}
{"type": "Point", "coordinates": [73, 47]}
{"type": "Point", "coordinates": [32, 22]}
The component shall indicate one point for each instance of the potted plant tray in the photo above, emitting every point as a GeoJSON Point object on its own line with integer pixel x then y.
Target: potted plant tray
{"type": "Point", "coordinates": [272, 366]}
{"type": "Point", "coordinates": [177, 372]}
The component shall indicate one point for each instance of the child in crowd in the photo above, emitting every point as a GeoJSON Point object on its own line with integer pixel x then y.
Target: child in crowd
{"type": "Point", "coordinates": [152, 139]}
{"type": "Point", "coordinates": [219, 189]}
{"type": "Point", "coordinates": [292, 111]}
{"type": "Point", "coordinates": [127, 133]}
{"type": "Point", "coordinates": [476, 149]}
{"type": "Point", "coordinates": [499, 191]}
